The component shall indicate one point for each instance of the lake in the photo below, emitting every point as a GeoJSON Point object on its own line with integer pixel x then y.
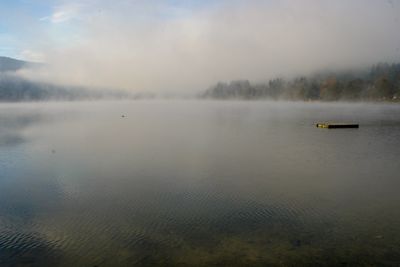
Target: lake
{"type": "Point", "coordinates": [199, 183]}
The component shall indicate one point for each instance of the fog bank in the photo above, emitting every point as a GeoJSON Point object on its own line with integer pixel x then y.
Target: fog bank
{"type": "Point", "coordinates": [151, 46]}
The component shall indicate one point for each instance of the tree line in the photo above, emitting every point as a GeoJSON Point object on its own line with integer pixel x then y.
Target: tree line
{"type": "Point", "coordinates": [380, 82]}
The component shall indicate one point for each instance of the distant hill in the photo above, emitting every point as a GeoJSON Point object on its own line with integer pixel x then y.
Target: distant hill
{"type": "Point", "coordinates": [10, 64]}
{"type": "Point", "coordinates": [14, 88]}
{"type": "Point", "coordinates": [380, 82]}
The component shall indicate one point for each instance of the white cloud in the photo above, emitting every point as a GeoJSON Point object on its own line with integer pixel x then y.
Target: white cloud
{"type": "Point", "coordinates": [64, 13]}
{"type": "Point", "coordinates": [32, 56]}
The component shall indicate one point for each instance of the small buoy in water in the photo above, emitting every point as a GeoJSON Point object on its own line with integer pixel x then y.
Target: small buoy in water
{"type": "Point", "coordinates": [123, 116]}
{"type": "Point", "coordinates": [337, 125]}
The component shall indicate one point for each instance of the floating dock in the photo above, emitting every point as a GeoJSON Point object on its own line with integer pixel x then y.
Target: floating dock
{"type": "Point", "coordinates": [337, 125]}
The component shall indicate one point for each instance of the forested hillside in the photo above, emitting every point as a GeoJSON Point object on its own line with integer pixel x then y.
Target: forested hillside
{"type": "Point", "coordinates": [380, 83]}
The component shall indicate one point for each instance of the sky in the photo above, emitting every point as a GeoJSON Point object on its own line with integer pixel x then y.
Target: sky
{"type": "Point", "coordinates": [184, 46]}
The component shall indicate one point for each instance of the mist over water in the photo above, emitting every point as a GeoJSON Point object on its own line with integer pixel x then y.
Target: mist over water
{"type": "Point", "coordinates": [178, 183]}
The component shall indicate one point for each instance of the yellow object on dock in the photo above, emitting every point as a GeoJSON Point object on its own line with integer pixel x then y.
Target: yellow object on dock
{"type": "Point", "coordinates": [337, 125]}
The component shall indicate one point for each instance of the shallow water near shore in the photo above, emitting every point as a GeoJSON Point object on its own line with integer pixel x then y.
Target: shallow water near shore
{"type": "Point", "coordinates": [199, 183]}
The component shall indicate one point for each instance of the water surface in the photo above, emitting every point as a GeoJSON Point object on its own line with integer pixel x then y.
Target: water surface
{"type": "Point", "coordinates": [181, 183]}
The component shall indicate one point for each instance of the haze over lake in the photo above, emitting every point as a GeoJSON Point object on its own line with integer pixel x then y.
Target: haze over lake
{"type": "Point", "coordinates": [202, 183]}
{"type": "Point", "coordinates": [183, 133]}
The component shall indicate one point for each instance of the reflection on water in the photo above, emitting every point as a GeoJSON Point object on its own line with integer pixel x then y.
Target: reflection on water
{"type": "Point", "coordinates": [11, 125]}
{"type": "Point", "coordinates": [198, 183]}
